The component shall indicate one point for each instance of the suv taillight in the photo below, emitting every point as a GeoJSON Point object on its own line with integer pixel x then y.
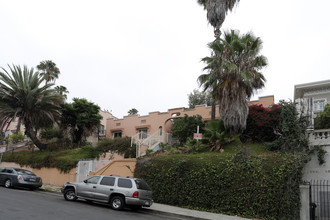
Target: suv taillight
{"type": "Point", "coordinates": [20, 177]}
{"type": "Point", "coordinates": [136, 194]}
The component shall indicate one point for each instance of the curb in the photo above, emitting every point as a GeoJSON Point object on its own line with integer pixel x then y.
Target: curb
{"type": "Point", "coordinates": [147, 210]}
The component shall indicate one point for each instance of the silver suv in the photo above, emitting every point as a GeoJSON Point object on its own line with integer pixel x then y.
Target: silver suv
{"type": "Point", "coordinates": [116, 190]}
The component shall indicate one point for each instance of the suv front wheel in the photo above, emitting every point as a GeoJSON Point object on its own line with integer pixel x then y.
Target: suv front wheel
{"type": "Point", "coordinates": [117, 203]}
{"type": "Point", "coordinates": [70, 195]}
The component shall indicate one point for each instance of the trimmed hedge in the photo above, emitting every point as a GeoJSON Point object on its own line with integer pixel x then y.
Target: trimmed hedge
{"type": "Point", "coordinates": [260, 187]}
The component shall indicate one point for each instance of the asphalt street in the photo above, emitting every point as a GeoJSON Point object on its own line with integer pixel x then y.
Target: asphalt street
{"type": "Point", "coordinates": [16, 204]}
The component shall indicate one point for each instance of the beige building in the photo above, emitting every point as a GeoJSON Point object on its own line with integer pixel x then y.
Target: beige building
{"type": "Point", "coordinates": [96, 136]}
{"type": "Point", "coordinates": [103, 125]}
{"type": "Point", "coordinates": [160, 123]}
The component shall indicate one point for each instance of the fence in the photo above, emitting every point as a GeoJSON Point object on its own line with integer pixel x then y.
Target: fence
{"type": "Point", "coordinates": [320, 200]}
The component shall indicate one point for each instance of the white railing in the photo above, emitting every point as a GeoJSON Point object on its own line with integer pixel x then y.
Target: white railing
{"type": "Point", "coordinates": [319, 137]}
{"type": "Point", "coordinates": [150, 141]}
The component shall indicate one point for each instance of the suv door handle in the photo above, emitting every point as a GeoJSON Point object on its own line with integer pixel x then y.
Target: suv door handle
{"type": "Point", "coordinates": [94, 187]}
{"type": "Point", "coordinates": [111, 189]}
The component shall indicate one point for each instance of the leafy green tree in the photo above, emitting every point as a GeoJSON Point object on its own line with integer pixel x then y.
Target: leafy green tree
{"type": "Point", "coordinates": [199, 98]}
{"type": "Point", "coordinates": [217, 11]}
{"type": "Point", "coordinates": [185, 127]}
{"type": "Point", "coordinates": [292, 136]}
{"type": "Point", "coordinates": [233, 76]}
{"type": "Point", "coordinates": [133, 111]}
{"type": "Point", "coordinates": [62, 90]}
{"type": "Point", "coordinates": [15, 138]}
{"type": "Point", "coordinates": [322, 120]}
{"type": "Point", "coordinates": [48, 70]}
{"type": "Point", "coordinates": [23, 94]}
{"type": "Point", "coordinates": [80, 118]}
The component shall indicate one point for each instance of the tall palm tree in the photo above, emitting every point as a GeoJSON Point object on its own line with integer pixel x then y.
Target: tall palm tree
{"type": "Point", "coordinates": [48, 70]}
{"type": "Point", "coordinates": [234, 75]}
{"type": "Point", "coordinates": [217, 11]}
{"type": "Point", "coordinates": [216, 14]}
{"type": "Point", "coordinates": [24, 94]}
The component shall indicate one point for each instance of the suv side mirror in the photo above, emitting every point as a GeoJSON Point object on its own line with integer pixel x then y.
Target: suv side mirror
{"type": "Point", "coordinates": [85, 181]}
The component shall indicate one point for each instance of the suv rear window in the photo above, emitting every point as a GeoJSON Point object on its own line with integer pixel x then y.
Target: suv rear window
{"type": "Point", "coordinates": [125, 183]}
{"type": "Point", "coordinates": [141, 184]}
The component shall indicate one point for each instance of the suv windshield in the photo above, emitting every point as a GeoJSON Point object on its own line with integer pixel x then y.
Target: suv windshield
{"type": "Point", "coordinates": [141, 184]}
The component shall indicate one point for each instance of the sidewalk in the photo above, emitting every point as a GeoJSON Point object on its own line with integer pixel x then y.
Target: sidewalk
{"type": "Point", "coordinates": [171, 210]}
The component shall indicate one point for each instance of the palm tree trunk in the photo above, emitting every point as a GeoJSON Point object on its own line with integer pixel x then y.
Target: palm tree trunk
{"type": "Point", "coordinates": [18, 126]}
{"type": "Point", "coordinates": [32, 135]}
{"type": "Point", "coordinates": [213, 111]}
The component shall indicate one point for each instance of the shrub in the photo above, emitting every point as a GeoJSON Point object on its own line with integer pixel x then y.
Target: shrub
{"type": "Point", "coordinates": [322, 120]}
{"type": "Point", "coordinates": [260, 187]}
{"type": "Point", "coordinates": [50, 133]}
{"type": "Point", "coordinates": [118, 145]}
{"type": "Point", "coordinates": [194, 146]}
{"type": "Point", "coordinates": [184, 128]}
{"type": "Point", "coordinates": [64, 160]}
{"type": "Point", "coordinates": [15, 138]}
{"type": "Point", "coordinates": [292, 135]}
{"type": "Point", "coordinates": [261, 123]}
{"type": "Point", "coordinates": [215, 134]}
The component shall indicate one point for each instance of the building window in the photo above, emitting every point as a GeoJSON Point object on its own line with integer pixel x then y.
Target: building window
{"type": "Point", "coordinates": [101, 129]}
{"type": "Point", "coordinates": [160, 130]}
{"type": "Point", "coordinates": [117, 134]}
{"type": "Point", "coordinates": [143, 133]}
{"type": "Point", "coordinates": [318, 105]}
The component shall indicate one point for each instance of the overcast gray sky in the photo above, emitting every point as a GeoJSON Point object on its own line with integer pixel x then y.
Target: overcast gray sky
{"type": "Point", "coordinates": [145, 54]}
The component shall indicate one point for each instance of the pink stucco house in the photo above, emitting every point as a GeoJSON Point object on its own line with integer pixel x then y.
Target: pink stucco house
{"type": "Point", "coordinates": [149, 130]}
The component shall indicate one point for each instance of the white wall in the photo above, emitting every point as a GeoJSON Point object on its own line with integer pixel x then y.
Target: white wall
{"type": "Point", "coordinates": [314, 171]}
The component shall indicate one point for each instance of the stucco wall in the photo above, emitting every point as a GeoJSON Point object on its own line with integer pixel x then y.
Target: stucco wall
{"type": "Point", "coordinates": [50, 176]}
{"type": "Point", "coordinates": [266, 101]}
{"type": "Point", "coordinates": [314, 171]}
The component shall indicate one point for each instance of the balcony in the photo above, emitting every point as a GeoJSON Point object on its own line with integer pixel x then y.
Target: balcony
{"type": "Point", "coordinates": [319, 137]}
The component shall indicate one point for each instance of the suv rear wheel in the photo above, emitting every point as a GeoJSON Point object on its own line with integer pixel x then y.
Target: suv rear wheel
{"type": "Point", "coordinates": [117, 203]}
{"type": "Point", "coordinates": [70, 195]}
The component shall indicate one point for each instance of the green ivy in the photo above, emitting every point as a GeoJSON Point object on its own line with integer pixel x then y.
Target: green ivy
{"type": "Point", "coordinates": [320, 154]}
{"type": "Point", "coordinates": [264, 187]}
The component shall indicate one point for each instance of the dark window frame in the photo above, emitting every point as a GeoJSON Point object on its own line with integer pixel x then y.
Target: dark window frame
{"type": "Point", "coordinates": [93, 177]}
{"type": "Point", "coordinates": [122, 182]}
{"type": "Point", "coordinates": [112, 182]}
